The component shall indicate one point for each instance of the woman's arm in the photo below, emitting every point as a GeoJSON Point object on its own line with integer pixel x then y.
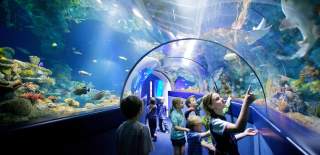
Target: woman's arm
{"type": "Point", "coordinates": [241, 123]}
{"type": "Point", "coordinates": [247, 132]}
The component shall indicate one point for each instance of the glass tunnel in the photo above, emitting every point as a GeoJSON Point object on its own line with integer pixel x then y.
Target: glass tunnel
{"type": "Point", "coordinates": [70, 58]}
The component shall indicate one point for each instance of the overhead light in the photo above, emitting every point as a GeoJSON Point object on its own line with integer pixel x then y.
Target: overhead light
{"type": "Point", "coordinates": [123, 58]}
{"type": "Point", "coordinates": [148, 23]}
{"type": "Point", "coordinates": [137, 13]}
{"type": "Point", "coordinates": [99, 1]}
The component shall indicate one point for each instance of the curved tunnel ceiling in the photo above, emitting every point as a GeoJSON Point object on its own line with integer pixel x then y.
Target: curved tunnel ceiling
{"type": "Point", "coordinates": [221, 70]}
{"type": "Point", "coordinates": [217, 17]}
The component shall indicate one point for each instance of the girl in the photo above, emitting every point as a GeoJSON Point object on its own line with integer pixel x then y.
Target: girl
{"type": "Point", "coordinates": [222, 131]}
{"type": "Point", "coordinates": [178, 127]}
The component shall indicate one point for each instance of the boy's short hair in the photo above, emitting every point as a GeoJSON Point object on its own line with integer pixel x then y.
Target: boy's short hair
{"type": "Point", "coordinates": [193, 120]}
{"type": "Point", "coordinates": [152, 100]}
{"type": "Point", "coordinates": [188, 100]}
{"type": "Point", "coordinates": [131, 106]}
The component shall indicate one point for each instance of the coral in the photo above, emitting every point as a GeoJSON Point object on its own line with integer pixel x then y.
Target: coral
{"type": "Point", "coordinates": [309, 73]}
{"type": "Point", "coordinates": [7, 71]}
{"type": "Point", "coordinates": [5, 63]}
{"type": "Point", "coordinates": [39, 80]}
{"type": "Point", "coordinates": [90, 106]}
{"type": "Point", "coordinates": [52, 105]}
{"type": "Point", "coordinates": [31, 86]}
{"type": "Point", "coordinates": [34, 60]}
{"type": "Point", "coordinates": [113, 100]}
{"type": "Point", "coordinates": [47, 80]}
{"type": "Point", "coordinates": [2, 76]}
{"type": "Point", "coordinates": [6, 52]}
{"type": "Point", "coordinates": [45, 71]}
{"type": "Point", "coordinates": [315, 86]}
{"type": "Point", "coordinates": [9, 86]}
{"type": "Point", "coordinates": [32, 96]}
{"type": "Point", "coordinates": [16, 106]}
{"type": "Point", "coordinates": [27, 73]}
{"type": "Point", "coordinates": [53, 98]}
{"type": "Point", "coordinates": [71, 102]}
{"type": "Point", "coordinates": [63, 110]}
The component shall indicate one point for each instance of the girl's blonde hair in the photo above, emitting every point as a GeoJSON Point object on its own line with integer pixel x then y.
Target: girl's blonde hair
{"type": "Point", "coordinates": [193, 120]}
{"type": "Point", "coordinates": [175, 102]}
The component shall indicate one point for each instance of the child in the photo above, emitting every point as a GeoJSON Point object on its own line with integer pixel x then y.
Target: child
{"type": "Point", "coordinates": [191, 103]}
{"type": "Point", "coordinates": [152, 118]}
{"type": "Point", "coordinates": [195, 136]}
{"type": "Point", "coordinates": [208, 140]}
{"type": "Point", "coordinates": [178, 122]}
{"type": "Point", "coordinates": [223, 131]}
{"type": "Point", "coordinates": [162, 116]}
{"type": "Point", "coordinates": [132, 137]}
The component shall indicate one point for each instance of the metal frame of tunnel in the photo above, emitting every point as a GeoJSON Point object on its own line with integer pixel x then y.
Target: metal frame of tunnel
{"type": "Point", "coordinates": [199, 39]}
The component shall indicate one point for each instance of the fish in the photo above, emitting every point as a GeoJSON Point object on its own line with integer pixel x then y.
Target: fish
{"type": "Point", "coordinates": [94, 61]}
{"type": "Point", "coordinates": [233, 36]}
{"type": "Point", "coordinates": [230, 56]}
{"type": "Point", "coordinates": [81, 90]}
{"type": "Point", "coordinates": [77, 52]}
{"type": "Point", "coordinates": [41, 64]}
{"type": "Point", "coordinates": [54, 45]}
{"type": "Point", "coordinates": [300, 14]}
{"type": "Point", "coordinates": [99, 95]}
{"type": "Point", "coordinates": [123, 58]}
{"type": "Point", "coordinates": [84, 73]}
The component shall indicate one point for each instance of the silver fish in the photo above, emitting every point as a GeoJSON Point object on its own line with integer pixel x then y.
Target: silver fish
{"type": "Point", "coordinates": [84, 73]}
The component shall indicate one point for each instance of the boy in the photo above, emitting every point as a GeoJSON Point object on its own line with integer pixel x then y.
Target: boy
{"type": "Point", "coordinates": [152, 118]}
{"type": "Point", "coordinates": [132, 137]}
{"type": "Point", "coordinates": [162, 114]}
{"type": "Point", "coordinates": [191, 103]}
{"type": "Point", "coordinates": [195, 135]}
